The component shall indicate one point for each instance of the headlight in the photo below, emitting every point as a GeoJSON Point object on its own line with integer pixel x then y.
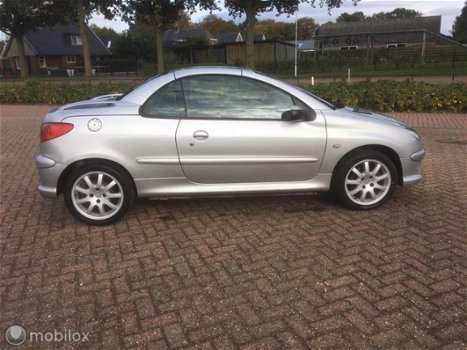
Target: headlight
{"type": "Point", "coordinates": [414, 133]}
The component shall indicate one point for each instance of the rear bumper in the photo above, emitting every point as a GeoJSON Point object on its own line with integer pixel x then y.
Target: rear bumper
{"type": "Point", "coordinates": [47, 192]}
{"type": "Point", "coordinates": [411, 168]}
{"type": "Point", "coordinates": [49, 173]}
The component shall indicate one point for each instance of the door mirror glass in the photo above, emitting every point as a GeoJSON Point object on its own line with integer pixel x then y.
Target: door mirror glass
{"type": "Point", "coordinates": [297, 113]}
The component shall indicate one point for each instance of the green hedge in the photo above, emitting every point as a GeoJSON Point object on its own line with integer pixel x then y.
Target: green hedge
{"type": "Point", "coordinates": [36, 92]}
{"type": "Point", "coordinates": [383, 95]}
{"type": "Point", "coordinates": [386, 95]}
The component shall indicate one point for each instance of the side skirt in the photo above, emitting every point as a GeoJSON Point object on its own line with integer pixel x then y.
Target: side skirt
{"type": "Point", "coordinates": [182, 187]}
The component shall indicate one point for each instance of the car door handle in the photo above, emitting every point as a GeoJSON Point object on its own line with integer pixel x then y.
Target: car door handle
{"type": "Point", "coordinates": [200, 135]}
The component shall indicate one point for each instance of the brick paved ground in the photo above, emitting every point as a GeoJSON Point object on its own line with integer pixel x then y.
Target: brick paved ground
{"type": "Point", "coordinates": [264, 272]}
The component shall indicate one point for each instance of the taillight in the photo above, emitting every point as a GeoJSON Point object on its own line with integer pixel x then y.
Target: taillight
{"type": "Point", "coordinates": [51, 131]}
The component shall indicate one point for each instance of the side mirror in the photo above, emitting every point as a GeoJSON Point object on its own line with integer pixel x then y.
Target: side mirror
{"type": "Point", "coordinates": [298, 113]}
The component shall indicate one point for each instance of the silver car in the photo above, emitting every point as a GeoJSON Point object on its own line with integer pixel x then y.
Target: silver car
{"type": "Point", "coordinates": [209, 131]}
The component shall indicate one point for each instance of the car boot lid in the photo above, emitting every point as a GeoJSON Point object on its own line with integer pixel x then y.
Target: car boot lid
{"type": "Point", "coordinates": [97, 106]}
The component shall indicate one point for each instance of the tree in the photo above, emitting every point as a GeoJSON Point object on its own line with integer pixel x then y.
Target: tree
{"type": "Point", "coordinates": [285, 31]}
{"type": "Point", "coordinates": [395, 14]}
{"type": "Point", "coordinates": [358, 16]}
{"type": "Point", "coordinates": [252, 8]}
{"type": "Point", "coordinates": [404, 13]}
{"type": "Point", "coordinates": [137, 41]}
{"type": "Point", "coordinates": [105, 32]}
{"type": "Point", "coordinates": [273, 30]}
{"type": "Point", "coordinates": [80, 11]}
{"type": "Point", "coordinates": [183, 21]}
{"type": "Point", "coordinates": [19, 17]}
{"type": "Point", "coordinates": [459, 29]}
{"type": "Point", "coordinates": [160, 15]}
{"type": "Point", "coordinates": [215, 24]}
{"type": "Point", "coordinates": [157, 15]}
{"type": "Point", "coordinates": [306, 28]}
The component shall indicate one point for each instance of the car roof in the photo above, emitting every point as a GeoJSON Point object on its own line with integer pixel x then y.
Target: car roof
{"type": "Point", "coordinates": [215, 68]}
{"type": "Point", "coordinates": [184, 72]}
{"type": "Point", "coordinates": [141, 93]}
{"type": "Point", "coordinates": [145, 89]}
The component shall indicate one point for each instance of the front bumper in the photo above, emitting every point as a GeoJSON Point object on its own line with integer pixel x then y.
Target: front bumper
{"type": "Point", "coordinates": [411, 168]}
{"type": "Point", "coordinates": [49, 173]}
{"type": "Point", "coordinates": [418, 156]}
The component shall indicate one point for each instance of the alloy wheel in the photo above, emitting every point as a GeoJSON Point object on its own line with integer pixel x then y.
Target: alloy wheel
{"type": "Point", "coordinates": [97, 195]}
{"type": "Point", "coordinates": [368, 182]}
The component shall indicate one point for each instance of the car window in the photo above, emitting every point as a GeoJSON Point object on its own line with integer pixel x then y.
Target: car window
{"type": "Point", "coordinates": [218, 96]}
{"type": "Point", "coordinates": [167, 102]}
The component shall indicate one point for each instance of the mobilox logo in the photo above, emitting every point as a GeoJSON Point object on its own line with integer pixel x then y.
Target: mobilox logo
{"type": "Point", "coordinates": [17, 335]}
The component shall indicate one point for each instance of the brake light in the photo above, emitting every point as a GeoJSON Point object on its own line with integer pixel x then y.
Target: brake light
{"type": "Point", "coordinates": [51, 131]}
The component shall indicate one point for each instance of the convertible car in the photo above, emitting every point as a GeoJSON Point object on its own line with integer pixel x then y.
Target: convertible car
{"type": "Point", "coordinates": [209, 131]}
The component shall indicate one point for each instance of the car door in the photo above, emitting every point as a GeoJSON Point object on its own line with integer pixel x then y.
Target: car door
{"type": "Point", "coordinates": [233, 132]}
{"type": "Point", "coordinates": [153, 146]}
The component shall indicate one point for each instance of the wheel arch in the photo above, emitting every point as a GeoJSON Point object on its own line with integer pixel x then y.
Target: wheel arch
{"type": "Point", "coordinates": [387, 151]}
{"type": "Point", "coordinates": [97, 161]}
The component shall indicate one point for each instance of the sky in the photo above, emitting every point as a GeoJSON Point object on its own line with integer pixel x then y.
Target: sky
{"type": "Point", "coordinates": [448, 9]}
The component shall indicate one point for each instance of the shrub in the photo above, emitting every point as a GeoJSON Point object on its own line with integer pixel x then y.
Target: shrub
{"type": "Point", "coordinates": [35, 92]}
{"type": "Point", "coordinates": [386, 95]}
{"type": "Point", "coordinates": [383, 95]}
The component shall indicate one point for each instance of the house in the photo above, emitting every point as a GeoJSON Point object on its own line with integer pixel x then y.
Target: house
{"type": "Point", "coordinates": [203, 36]}
{"type": "Point", "coordinates": [107, 41]}
{"type": "Point", "coordinates": [406, 32]}
{"type": "Point", "coordinates": [198, 45]}
{"type": "Point", "coordinates": [304, 45]}
{"type": "Point", "coordinates": [195, 36]}
{"type": "Point", "coordinates": [260, 37]}
{"type": "Point", "coordinates": [265, 51]}
{"type": "Point", "coordinates": [229, 38]}
{"type": "Point", "coordinates": [52, 49]}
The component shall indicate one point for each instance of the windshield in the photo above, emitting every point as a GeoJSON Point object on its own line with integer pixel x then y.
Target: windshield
{"type": "Point", "coordinates": [327, 103]}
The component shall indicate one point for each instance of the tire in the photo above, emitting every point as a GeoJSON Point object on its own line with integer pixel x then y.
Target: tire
{"type": "Point", "coordinates": [364, 180]}
{"type": "Point", "coordinates": [98, 194]}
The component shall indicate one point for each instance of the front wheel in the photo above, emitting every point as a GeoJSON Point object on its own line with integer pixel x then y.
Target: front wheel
{"type": "Point", "coordinates": [365, 180]}
{"type": "Point", "coordinates": [98, 194]}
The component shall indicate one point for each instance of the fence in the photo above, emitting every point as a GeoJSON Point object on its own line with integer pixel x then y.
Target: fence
{"type": "Point", "coordinates": [113, 80]}
{"type": "Point", "coordinates": [446, 60]}
{"type": "Point", "coordinates": [383, 59]}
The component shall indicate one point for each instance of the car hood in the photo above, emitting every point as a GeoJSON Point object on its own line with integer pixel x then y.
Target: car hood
{"type": "Point", "coordinates": [363, 113]}
{"type": "Point", "coordinates": [94, 107]}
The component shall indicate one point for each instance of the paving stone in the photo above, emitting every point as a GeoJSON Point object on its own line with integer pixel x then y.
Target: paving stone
{"type": "Point", "coordinates": [227, 273]}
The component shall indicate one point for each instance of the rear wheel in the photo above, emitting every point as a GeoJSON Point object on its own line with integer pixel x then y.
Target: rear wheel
{"type": "Point", "coordinates": [98, 194]}
{"type": "Point", "coordinates": [364, 180]}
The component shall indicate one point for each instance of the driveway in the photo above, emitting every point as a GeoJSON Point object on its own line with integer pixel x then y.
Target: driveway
{"type": "Point", "coordinates": [254, 272]}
